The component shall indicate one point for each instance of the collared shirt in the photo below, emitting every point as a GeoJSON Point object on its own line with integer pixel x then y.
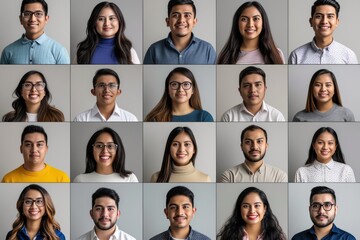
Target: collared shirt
{"type": "Point", "coordinates": [42, 50]}
{"type": "Point", "coordinates": [118, 235]}
{"type": "Point", "coordinates": [320, 172]}
{"type": "Point", "coordinates": [165, 52]}
{"type": "Point", "coordinates": [240, 113]}
{"type": "Point", "coordinates": [193, 235]}
{"type": "Point", "coordinates": [242, 173]}
{"type": "Point", "coordinates": [246, 236]}
{"type": "Point", "coordinates": [335, 53]}
{"type": "Point", "coordinates": [334, 234]}
{"type": "Point", "coordinates": [94, 115]}
{"type": "Point", "coordinates": [23, 235]}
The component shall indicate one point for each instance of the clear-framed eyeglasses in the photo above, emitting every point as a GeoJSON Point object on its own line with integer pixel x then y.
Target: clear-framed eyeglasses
{"type": "Point", "coordinates": [111, 147]}
{"type": "Point", "coordinates": [29, 202]}
{"type": "Point", "coordinates": [174, 85]}
{"type": "Point", "coordinates": [38, 86]}
{"type": "Point", "coordinates": [28, 14]}
{"type": "Point", "coordinates": [327, 206]}
{"type": "Point", "coordinates": [103, 86]}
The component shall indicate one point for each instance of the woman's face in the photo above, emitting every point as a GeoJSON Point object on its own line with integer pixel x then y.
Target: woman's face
{"type": "Point", "coordinates": [180, 89]}
{"type": "Point", "coordinates": [252, 209]}
{"type": "Point", "coordinates": [325, 147]}
{"type": "Point", "coordinates": [182, 149]}
{"type": "Point", "coordinates": [33, 90]}
{"type": "Point", "coordinates": [250, 24]}
{"type": "Point", "coordinates": [104, 156]}
{"type": "Point", "coordinates": [107, 24]}
{"type": "Point", "coordinates": [34, 205]}
{"type": "Point", "coordinates": [323, 88]}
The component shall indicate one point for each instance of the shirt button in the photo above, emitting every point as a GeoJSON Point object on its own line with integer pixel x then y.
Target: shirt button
{"type": "Point", "coordinates": [180, 55]}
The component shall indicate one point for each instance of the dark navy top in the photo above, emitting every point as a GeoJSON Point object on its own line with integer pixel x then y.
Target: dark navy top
{"type": "Point", "coordinates": [335, 234]}
{"type": "Point", "coordinates": [194, 235]}
{"type": "Point", "coordinates": [22, 235]}
{"type": "Point", "coordinates": [104, 52]}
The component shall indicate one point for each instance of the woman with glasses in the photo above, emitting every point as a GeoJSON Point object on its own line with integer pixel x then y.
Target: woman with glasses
{"type": "Point", "coordinates": [326, 162]}
{"type": "Point", "coordinates": [180, 101]}
{"type": "Point", "coordinates": [106, 42]}
{"type": "Point", "coordinates": [178, 163]}
{"type": "Point", "coordinates": [32, 103]}
{"type": "Point", "coordinates": [35, 219]}
{"type": "Point", "coordinates": [105, 159]}
{"type": "Point", "coordinates": [252, 218]}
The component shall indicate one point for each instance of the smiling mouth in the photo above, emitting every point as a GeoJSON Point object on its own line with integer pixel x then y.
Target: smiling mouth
{"type": "Point", "coordinates": [252, 217]}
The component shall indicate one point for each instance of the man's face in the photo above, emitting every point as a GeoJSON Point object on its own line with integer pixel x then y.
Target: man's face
{"type": "Point", "coordinates": [324, 21]}
{"type": "Point", "coordinates": [254, 145]}
{"type": "Point", "coordinates": [106, 90]}
{"type": "Point", "coordinates": [180, 212]}
{"type": "Point", "coordinates": [181, 20]}
{"type": "Point", "coordinates": [252, 90]}
{"type": "Point", "coordinates": [33, 24]}
{"type": "Point", "coordinates": [104, 213]}
{"type": "Point", "coordinates": [34, 149]}
{"type": "Point", "coordinates": [320, 217]}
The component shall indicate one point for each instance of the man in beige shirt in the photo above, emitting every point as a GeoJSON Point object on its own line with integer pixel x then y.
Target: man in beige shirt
{"type": "Point", "coordinates": [254, 145]}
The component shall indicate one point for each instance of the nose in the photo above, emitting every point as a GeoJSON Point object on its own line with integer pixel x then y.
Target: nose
{"type": "Point", "coordinates": [250, 23]}
{"type": "Point", "coordinates": [180, 211]}
{"type": "Point", "coordinates": [105, 149]}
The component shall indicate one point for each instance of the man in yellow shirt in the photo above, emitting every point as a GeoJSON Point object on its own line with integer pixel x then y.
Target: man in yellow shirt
{"type": "Point", "coordinates": [34, 148]}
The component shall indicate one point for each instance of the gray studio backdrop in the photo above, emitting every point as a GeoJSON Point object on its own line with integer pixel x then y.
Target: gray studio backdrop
{"type": "Point", "coordinates": [227, 195]}
{"type": "Point", "coordinates": [229, 153]}
{"type": "Point", "coordinates": [300, 31]}
{"type": "Point", "coordinates": [347, 198]}
{"type": "Point", "coordinates": [154, 84]}
{"type": "Point", "coordinates": [156, 134]}
{"type": "Point", "coordinates": [155, 220]}
{"type": "Point", "coordinates": [155, 29]}
{"type": "Point", "coordinates": [131, 137]}
{"type": "Point", "coordinates": [130, 207]}
{"type": "Point", "coordinates": [348, 83]}
{"type": "Point", "coordinates": [57, 77]}
{"type": "Point", "coordinates": [300, 135]}
{"type": "Point", "coordinates": [57, 28]}
{"type": "Point", "coordinates": [58, 154]}
{"type": "Point", "coordinates": [130, 98]}
{"type": "Point", "coordinates": [59, 193]}
{"type": "Point", "coordinates": [131, 10]}
{"type": "Point", "coordinates": [228, 94]}
{"type": "Point", "coordinates": [276, 11]}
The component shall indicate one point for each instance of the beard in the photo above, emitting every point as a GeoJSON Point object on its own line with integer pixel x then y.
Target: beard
{"type": "Point", "coordinates": [104, 228]}
{"type": "Point", "coordinates": [330, 220]}
{"type": "Point", "coordinates": [254, 159]}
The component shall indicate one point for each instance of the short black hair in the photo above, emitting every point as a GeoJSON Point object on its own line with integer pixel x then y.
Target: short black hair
{"type": "Point", "coordinates": [180, 190]}
{"type": "Point", "coordinates": [42, 2]}
{"type": "Point", "coordinates": [173, 3]}
{"type": "Point", "coordinates": [251, 70]}
{"type": "Point", "coordinates": [33, 129]}
{"type": "Point", "coordinates": [106, 192]}
{"type": "Point", "coordinates": [105, 71]}
{"type": "Point", "coordinates": [252, 128]}
{"type": "Point", "coordinates": [322, 190]}
{"type": "Point", "coordinates": [332, 3]}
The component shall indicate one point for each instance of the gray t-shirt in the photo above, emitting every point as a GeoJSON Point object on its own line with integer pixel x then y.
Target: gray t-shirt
{"type": "Point", "coordinates": [335, 114]}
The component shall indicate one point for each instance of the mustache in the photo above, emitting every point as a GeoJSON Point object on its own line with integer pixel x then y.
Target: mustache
{"type": "Point", "coordinates": [321, 215]}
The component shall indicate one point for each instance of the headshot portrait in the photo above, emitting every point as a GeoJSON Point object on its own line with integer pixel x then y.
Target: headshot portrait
{"type": "Point", "coordinates": [31, 210]}
{"type": "Point", "coordinates": [261, 156]}
{"type": "Point", "coordinates": [122, 203]}
{"type": "Point", "coordinates": [239, 103]}
{"type": "Point", "coordinates": [89, 163]}
{"type": "Point", "coordinates": [188, 155]}
{"type": "Point", "coordinates": [40, 94]}
{"type": "Point", "coordinates": [159, 215]}
{"type": "Point", "coordinates": [118, 40]}
{"type": "Point", "coordinates": [49, 40]}
{"type": "Point", "coordinates": [91, 102]}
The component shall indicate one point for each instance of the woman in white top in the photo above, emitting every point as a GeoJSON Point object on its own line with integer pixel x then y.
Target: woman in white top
{"type": "Point", "coordinates": [105, 159]}
{"type": "Point", "coordinates": [325, 162]}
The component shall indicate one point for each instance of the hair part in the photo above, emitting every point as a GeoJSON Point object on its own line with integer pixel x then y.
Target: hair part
{"type": "Point", "coordinates": [251, 70]}
{"type": "Point", "coordinates": [173, 3]}
{"type": "Point", "coordinates": [42, 2]}
{"type": "Point", "coordinates": [180, 190]}
{"type": "Point", "coordinates": [252, 128]}
{"type": "Point", "coordinates": [105, 71]}
{"type": "Point", "coordinates": [105, 192]}
{"type": "Point", "coordinates": [332, 3]}
{"type": "Point", "coordinates": [322, 190]}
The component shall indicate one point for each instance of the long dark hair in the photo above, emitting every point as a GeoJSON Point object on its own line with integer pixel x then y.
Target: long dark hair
{"type": "Point", "coordinates": [168, 161]}
{"type": "Point", "coordinates": [118, 164]}
{"type": "Point", "coordinates": [233, 228]}
{"type": "Point", "coordinates": [338, 155]}
{"type": "Point", "coordinates": [87, 47]}
{"type": "Point", "coordinates": [162, 112]}
{"type": "Point", "coordinates": [46, 112]}
{"type": "Point", "coordinates": [230, 52]}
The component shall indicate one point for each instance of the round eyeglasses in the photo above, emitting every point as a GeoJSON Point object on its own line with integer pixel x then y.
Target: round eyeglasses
{"type": "Point", "coordinates": [38, 86]}
{"type": "Point", "coordinates": [29, 202]}
{"type": "Point", "coordinates": [29, 14]}
{"type": "Point", "coordinates": [111, 147]}
{"type": "Point", "coordinates": [176, 85]}
{"type": "Point", "coordinates": [327, 206]}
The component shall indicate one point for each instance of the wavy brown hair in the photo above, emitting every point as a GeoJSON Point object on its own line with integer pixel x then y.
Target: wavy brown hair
{"type": "Point", "coordinates": [48, 224]}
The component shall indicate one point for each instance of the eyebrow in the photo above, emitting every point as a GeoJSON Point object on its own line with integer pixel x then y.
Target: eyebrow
{"type": "Point", "coordinates": [28, 141]}
{"type": "Point", "coordinates": [105, 16]}
{"type": "Point", "coordinates": [261, 138]}
{"type": "Point", "coordinates": [258, 15]}
{"type": "Point", "coordinates": [188, 141]}
{"type": "Point", "coordinates": [260, 81]}
{"type": "Point", "coordinates": [254, 203]}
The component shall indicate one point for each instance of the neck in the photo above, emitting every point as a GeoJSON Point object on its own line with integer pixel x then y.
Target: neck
{"type": "Point", "coordinates": [250, 45]}
{"type": "Point", "coordinates": [104, 234]}
{"type": "Point", "coordinates": [32, 108]}
{"type": "Point", "coordinates": [254, 166]}
{"type": "Point", "coordinates": [32, 227]}
{"type": "Point", "coordinates": [253, 108]}
{"type": "Point", "coordinates": [33, 36]}
{"type": "Point", "coordinates": [181, 42]}
{"type": "Point", "coordinates": [322, 231]}
{"type": "Point", "coordinates": [106, 110]}
{"type": "Point", "coordinates": [104, 170]}
{"type": "Point", "coordinates": [180, 232]}
{"type": "Point", "coordinates": [181, 108]}
{"type": "Point", "coordinates": [253, 230]}
{"type": "Point", "coordinates": [324, 107]}
{"type": "Point", "coordinates": [323, 42]}
{"type": "Point", "coordinates": [34, 167]}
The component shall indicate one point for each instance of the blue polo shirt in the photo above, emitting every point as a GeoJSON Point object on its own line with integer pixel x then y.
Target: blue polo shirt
{"type": "Point", "coordinates": [335, 234]}
{"type": "Point", "coordinates": [165, 52]}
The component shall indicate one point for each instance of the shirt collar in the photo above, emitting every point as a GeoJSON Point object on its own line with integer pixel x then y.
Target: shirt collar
{"type": "Point", "coordinates": [260, 170]}
{"type": "Point", "coordinates": [170, 41]}
{"type": "Point", "coordinates": [115, 236]}
{"type": "Point", "coordinates": [95, 112]}
{"type": "Point", "coordinates": [189, 237]}
{"type": "Point", "coordinates": [334, 230]}
{"type": "Point", "coordinates": [24, 233]}
{"type": "Point", "coordinates": [263, 108]}
{"type": "Point", "coordinates": [40, 40]}
{"type": "Point", "coordinates": [246, 235]}
{"type": "Point", "coordinates": [316, 48]}
{"type": "Point", "coordinates": [328, 165]}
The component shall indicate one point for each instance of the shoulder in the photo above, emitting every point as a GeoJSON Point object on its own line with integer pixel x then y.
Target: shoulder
{"type": "Point", "coordinates": [60, 234]}
{"type": "Point", "coordinates": [157, 44]}
{"type": "Point", "coordinates": [299, 116]}
{"type": "Point", "coordinates": [9, 177]}
{"type": "Point", "coordinates": [154, 177]}
{"type": "Point", "coordinates": [125, 236]}
{"type": "Point", "coordinates": [206, 116]}
{"type": "Point", "coordinates": [161, 236]}
{"type": "Point", "coordinates": [302, 48]}
{"type": "Point", "coordinates": [279, 174]}
{"type": "Point", "coordinates": [199, 236]}
{"type": "Point", "coordinates": [302, 235]}
{"type": "Point", "coordinates": [132, 178]}
{"type": "Point", "coordinates": [202, 177]}
{"type": "Point", "coordinates": [343, 234]}
{"type": "Point", "coordinates": [346, 112]}
{"type": "Point", "coordinates": [85, 236]}
{"type": "Point", "coordinates": [59, 174]}
{"type": "Point", "coordinates": [128, 116]}
{"type": "Point", "coordinates": [83, 116]}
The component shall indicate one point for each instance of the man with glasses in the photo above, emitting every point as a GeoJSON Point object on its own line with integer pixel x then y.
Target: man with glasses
{"type": "Point", "coordinates": [34, 47]}
{"type": "Point", "coordinates": [106, 87]}
{"type": "Point", "coordinates": [322, 211]}
{"type": "Point", "coordinates": [34, 148]}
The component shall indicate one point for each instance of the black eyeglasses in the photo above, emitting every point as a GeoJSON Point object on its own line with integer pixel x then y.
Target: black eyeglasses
{"type": "Point", "coordinates": [29, 202]}
{"type": "Point", "coordinates": [111, 147]}
{"type": "Point", "coordinates": [29, 85]}
{"type": "Point", "coordinates": [327, 206]}
{"type": "Point", "coordinates": [176, 85]}
{"type": "Point", "coordinates": [28, 14]}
